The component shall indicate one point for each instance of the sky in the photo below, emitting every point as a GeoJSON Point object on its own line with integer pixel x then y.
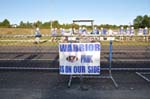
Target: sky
{"type": "Point", "coordinates": [118, 12]}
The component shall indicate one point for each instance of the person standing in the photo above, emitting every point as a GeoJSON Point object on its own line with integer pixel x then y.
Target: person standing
{"type": "Point", "coordinates": [145, 31]}
{"type": "Point", "coordinates": [103, 32]}
{"type": "Point", "coordinates": [145, 34]}
{"type": "Point", "coordinates": [140, 32]}
{"type": "Point", "coordinates": [80, 31]}
{"type": "Point", "coordinates": [96, 31]}
{"type": "Point", "coordinates": [121, 33]}
{"type": "Point", "coordinates": [37, 35]}
{"type": "Point", "coordinates": [127, 33]}
{"type": "Point", "coordinates": [132, 31]}
{"type": "Point", "coordinates": [110, 32]}
{"type": "Point", "coordinates": [53, 33]}
{"type": "Point", "coordinates": [62, 31]}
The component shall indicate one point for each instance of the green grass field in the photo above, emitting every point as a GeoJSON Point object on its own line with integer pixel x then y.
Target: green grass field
{"type": "Point", "coordinates": [21, 31]}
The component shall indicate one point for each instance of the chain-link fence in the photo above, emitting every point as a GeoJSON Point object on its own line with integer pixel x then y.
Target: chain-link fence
{"type": "Point", "coordinates": [23, 51]}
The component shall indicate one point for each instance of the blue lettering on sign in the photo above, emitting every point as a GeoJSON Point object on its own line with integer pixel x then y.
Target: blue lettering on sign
{"type": "Point", "coordinates": [91, 47]}
{"type": "Point", "coordinates": [79, 69]}
{"type": "Point", "coordinates": [76, 49]}
{"type": "Point", "coordinates": [61, 69]}
{"type": "Point", "coordinates": [79, 47]}
{"type": "Point", "coordinates": [93, 69]}
{"type": "Point", "coordinates": [86, 59]}
{"type": "Point", "coordinates": [68, 69]}
{"type": "Point", "coordinates": [69, 48]}
{"type": "Point", "coordinates": [63, 48]}
{"type": "Point", "coordinates": [97, 47]}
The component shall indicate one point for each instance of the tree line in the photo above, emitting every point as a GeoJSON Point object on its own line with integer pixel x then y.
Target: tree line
{"type": "Point", "coordinates": [138, 22]}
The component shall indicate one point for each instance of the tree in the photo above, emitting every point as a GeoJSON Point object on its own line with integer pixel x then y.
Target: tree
{"type": "Point", "coordinates": [46, 25]}
{"type": "Point", "coordinates": [138, 22]}
{"type": "Point", "coordinates": [63, 26]}
{"type": "Point", "coordinates": [145, 22]}
{"type": "Point", "coordinates": [22, 25]}
{"type": "Point", "coordinates": [76, 26]}
{"type": "Point", "coordinates": [5, 23]}
{"type": "Point", "coordinates": [142, 21]}
{"type": "Point", "coordinates": [28, 25]}
{"type": "Point", "coordinates": [38, 23]}
{"type": "Point", "coordinates": [25, 25]}
{"type": "Point", "coordinates": [56, 24]}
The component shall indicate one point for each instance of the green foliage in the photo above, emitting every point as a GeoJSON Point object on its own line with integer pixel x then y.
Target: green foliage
{"type": "Point", "coordinates": [145, 22]}
{"type": "Point", "coordinates": [37, 24]}
{"type": "Point", "coordinates": [107, 26]}
{"type": "Point", "coordinates": [25, 25]}
{"type": "Point", "coordinates": [56, 24]}
{"type": "Point", "coordinates": [46, 25]}
{"type": "Point", "coordinates": [142, 21]}
{"type": "Point", "coordinates": [76, 26]}
{"type": "Point", "coordinates": [5, 23]}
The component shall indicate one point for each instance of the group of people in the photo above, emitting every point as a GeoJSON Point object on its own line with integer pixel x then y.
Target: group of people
{"type": "Point", "coordinates": [81, 31]}
{"type": "Point", "coordinates": [144, 31]}
{"type": "Point", "coordinates": [129, 31]}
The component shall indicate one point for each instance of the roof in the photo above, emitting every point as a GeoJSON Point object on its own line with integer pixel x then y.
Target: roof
{"type": "Point", "coordinates": [83, 20]}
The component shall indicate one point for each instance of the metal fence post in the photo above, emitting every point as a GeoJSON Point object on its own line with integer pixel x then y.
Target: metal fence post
{"type": "Point", "coordinates": [110, 56]}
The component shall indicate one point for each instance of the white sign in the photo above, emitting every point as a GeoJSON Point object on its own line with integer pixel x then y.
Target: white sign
{"type": "Point", "coordinates": [79, 58]}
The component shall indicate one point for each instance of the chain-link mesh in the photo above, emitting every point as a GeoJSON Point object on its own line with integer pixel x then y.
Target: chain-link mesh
{"type": "Point", "coordinates": [131, 52]}
{"type": "Point", "coordinates": [23, 51]}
